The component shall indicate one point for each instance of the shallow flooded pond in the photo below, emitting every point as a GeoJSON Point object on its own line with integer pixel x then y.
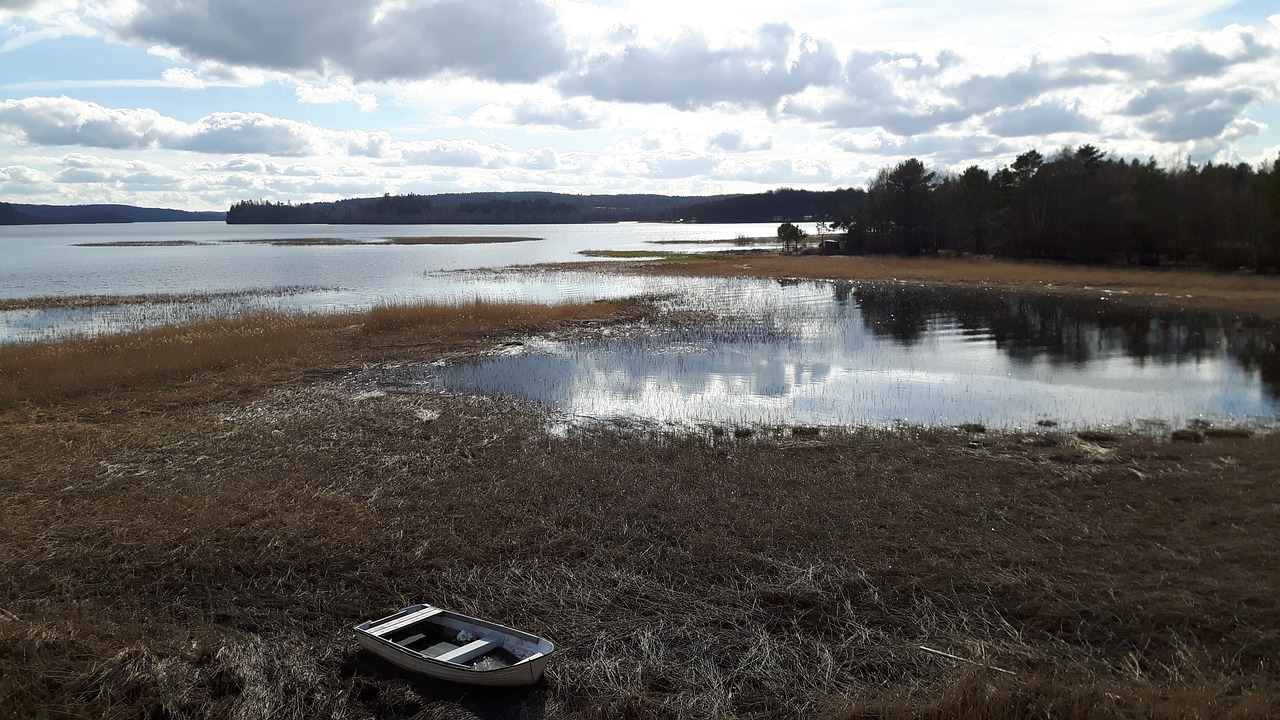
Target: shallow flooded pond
{"type": "Point", "coordinates": [844, 354]}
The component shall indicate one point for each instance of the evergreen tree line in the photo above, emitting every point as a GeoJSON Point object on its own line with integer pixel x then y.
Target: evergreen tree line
{"type": "Point", "coordinates": [1078, 206]}
{"type": "Point", "coordinates": [781, 204]}
{"type": "Point", "coordinates": [544, 207]}
{"type": "Point", "coordinates": [405, 210]}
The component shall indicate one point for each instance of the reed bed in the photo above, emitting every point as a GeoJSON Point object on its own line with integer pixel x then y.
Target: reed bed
{"type": "Point", "coordinates": [46, 302]}
{"type": "Point", "coordinates": [207, 558]}
{"type": "Point", "coordinates": [76, 366]}
{"type": "Point", "coordinates": [261, 341]}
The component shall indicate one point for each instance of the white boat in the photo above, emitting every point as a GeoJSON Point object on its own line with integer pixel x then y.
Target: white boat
{"type": "Point", "coordinates": [455, 647]}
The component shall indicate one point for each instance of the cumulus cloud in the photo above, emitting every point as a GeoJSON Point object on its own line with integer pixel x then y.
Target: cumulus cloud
{"type": "Point", "coordinates": [63, 121]}
{"type": "Point", "coordinates": [1043, 118]}
{"type": "Point", "coordinates": [944, 148]}
{"type": "Point", "coordinates": [545, 158]}
{"type": "Point", "coordinates": [364, 143]}
{"type": "Point", "coordinates": [689, 72]}
{"type": "Point", "coordinates": [572, 115]}
{"type": "Point", "coordinates": [1176, 114]}
{"type": "Point", "coordinates": [1197, 60]}
{"type": "Point", "coordinates": [503, 40]}
{"type": "Point", "coordinates": [678, 165]}
{"type": "Point", "coordinates": [738, 141]}
{"type": "Point", "coordinates": [1195, 124]}
{"type": "Point", "coordinates": [234, 132]}
{"type": "Point", "coordinates": [78, 168]}
{"type": "Point", "coordinates": [1195, 86]}
{"type": "Point", "coordinates": [778, 171]}
{"type": "Point", "coordinates": [336, 93]}
{"type": "Point", "coordinates": [183, 78]}
{"type": "Point", "coordinates": [16, 179]}
{"type": "Point", "coordinates": [455, 153]}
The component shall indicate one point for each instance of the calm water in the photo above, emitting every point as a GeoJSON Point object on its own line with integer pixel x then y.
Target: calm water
{"type": "Point", "coordinates": [70, 260]}
{"type": "Point", "coordinates": [780, 353]}
{"type": "Point", "coordinates": [845, 354]}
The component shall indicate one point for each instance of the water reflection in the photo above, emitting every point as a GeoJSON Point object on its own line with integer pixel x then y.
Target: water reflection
{"type": "Point", "coordinates": [1059, 330]}
{"type": "Point", "coordinates": [801, 352]}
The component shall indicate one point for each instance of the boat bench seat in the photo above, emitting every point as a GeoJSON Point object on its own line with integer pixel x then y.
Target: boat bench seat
{"type": "Point", "coordinates": [471, 650]}
{"type": "Point", "coordinates": [389, 627]}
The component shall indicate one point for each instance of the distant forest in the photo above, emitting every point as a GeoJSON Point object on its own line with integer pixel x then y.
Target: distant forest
{"type": "Point", "coordinates": [21, 214]}
{"type": "Point", "coordinates": [545, 207]}
{"type": "Point", "coordinates": [1078, 206]}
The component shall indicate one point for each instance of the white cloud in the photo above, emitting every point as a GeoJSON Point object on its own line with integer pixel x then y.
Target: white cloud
{"type": "Point", "coordinates": [503, 40]}
{"type": "Point", "coordinates": [544, 158]}
{"type": "Point", "coordinates": [16, 179]}
{"type": "Point", "coordinates": [736, 141]}
{"type": "Point", "coordinates": [777, 171]}
{"type": "Point", "coordinates": [1040, 119]}
{"type": "Point", "coordinates": [336, 93]}
{"type": "Point", "coordinates": [572, 114]}
{"type": "Point", "coordinates": [64, 121]}
{"type": "Point", "coordinates": [245, 98]}
{"type": "Point", "coordinates": [183, 78]}
{"type": "Point", "coordinates": [131, 174]}
{"type": "Point", "coordinates": [689, 71]}
{"type": "Point", "coordinates": [455, 153]}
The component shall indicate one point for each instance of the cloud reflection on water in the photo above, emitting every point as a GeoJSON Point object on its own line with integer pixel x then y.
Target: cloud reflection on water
{"type": "Point", "coordinates": [802, 352]}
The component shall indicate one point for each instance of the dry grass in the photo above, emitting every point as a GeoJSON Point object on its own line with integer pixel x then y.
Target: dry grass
{"type": "Point", "coordinates": [83, 301]}
{"type": "Point", "coordinates": [73, 367]}
{"type": "Point", "coordinates": [425, 240]}
{"type": "Point", "coordinates": [268, 343]}
{"type": "Point", "coordinates": [459, 240]}
{"type": "Point", "coordinates": [1248, 294]}
{"type": "Point", "coordinates": [198, 546]}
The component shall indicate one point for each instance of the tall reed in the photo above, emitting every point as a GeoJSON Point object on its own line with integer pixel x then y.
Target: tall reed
{"type": "Point", "coordinates": [74, 366]}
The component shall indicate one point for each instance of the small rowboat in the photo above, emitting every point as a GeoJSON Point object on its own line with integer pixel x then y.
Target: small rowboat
{"type": "Point", "coordinates": [455, 647]}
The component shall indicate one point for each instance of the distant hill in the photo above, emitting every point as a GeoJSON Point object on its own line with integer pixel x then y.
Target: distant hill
{"type": "Point", "coordinates": [9, 215]}
{"type": "Point", "coordinates": [547, 207]}
{"type": "Point", "coordinates": [20, 214]}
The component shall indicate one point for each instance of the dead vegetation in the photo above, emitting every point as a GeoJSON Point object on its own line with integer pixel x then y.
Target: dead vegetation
{"type": "Point", "coordinates": [46, 302]}
{"type": "Point", "coordinates": [1239, 293]}
{"type": "Point", "coordinates": [266, 346]}
{"type": "Point", "coordinates": [423, 240]}
{"type": "Point", "coordinates": [199, 544]}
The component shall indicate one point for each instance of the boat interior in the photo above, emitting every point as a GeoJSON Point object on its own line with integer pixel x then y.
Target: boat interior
{"type": "Point", "coordinates": [433, 635]}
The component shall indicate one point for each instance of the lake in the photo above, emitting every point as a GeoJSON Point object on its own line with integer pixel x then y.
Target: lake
{"type": "Point", "coordinates": [779, 352]}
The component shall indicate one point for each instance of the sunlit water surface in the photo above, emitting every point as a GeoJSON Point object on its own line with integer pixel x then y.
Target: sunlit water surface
{"type": "Point", "coordinates": [840, 354]}
{"type": "Point", "coordinates": [777, 352]}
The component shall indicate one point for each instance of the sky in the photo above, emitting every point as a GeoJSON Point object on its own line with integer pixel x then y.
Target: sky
{"type": "Point", "coordinates": [198, 104]}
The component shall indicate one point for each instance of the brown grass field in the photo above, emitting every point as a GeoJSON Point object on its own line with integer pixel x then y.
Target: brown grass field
{"type": "Point", "coordinates": [191, 519]}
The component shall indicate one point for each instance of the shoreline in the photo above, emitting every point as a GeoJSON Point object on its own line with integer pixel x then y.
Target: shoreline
{"type": "Point", "coordinates": [1177, 289]}
{"type": "Point", "coordinates": [1248, 295]}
